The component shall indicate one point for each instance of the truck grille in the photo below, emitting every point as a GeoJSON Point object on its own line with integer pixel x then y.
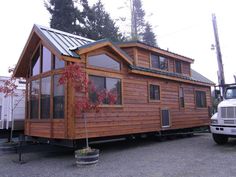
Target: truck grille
{"type": "Point", "coordinates": [228, 112]}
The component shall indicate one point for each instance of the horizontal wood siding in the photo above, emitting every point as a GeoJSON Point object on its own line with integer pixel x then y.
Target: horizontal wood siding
{"type": "Point", "coordinates": [137, 114]}
{"type": "Point", "coordinates": [143, 58]}
{"type": "Point", "coordinates": [186, 68]}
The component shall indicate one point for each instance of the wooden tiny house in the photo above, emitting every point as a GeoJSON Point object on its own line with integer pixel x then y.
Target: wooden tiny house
{"type": "Point", "coordinates": [157, 90]}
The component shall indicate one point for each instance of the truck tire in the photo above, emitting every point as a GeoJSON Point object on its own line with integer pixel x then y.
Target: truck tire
{"type": "Point", "coordinates": [220, 139]}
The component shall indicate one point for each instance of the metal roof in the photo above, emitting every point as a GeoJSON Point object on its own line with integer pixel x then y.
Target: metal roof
{"type": "Point", "coordinates": [62, 41]}
{"type": "Point", "coordinates": [196, 77]}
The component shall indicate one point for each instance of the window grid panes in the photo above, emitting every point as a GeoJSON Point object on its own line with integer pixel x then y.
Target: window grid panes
{"type": "Point", "coordinates": [200, 99]}
{"type": "Point", "coordinates": [178, 68]}
{"type": "Point", "coordinates": [154, 92]}
{"type": "Point", "coordinates": [159, 62]}
{"type": "Point", "coordinates": [34, 99]}
{"type": "Point", "coordinates": [58, 98]}
{"type": "Point", "coordinates": [45, 97]}
{"type": "Point", "coordinates": [103, 61]}
{"type": "Point", "coordinates": [181, 97]}
{"type": "Point", "coordinates": [58, 63]}
{"type": "Point", "coordinates": [111, 85]}
{"type": "Point", "coordinates": [36, 64]}
{"type": "Point", "coordinates": [46, 60]}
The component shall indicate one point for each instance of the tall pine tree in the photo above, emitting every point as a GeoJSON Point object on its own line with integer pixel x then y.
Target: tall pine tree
{"type": "Point", "coordinates": [149, 36]}
{"type": "Point", "coordinates": [92, 22]}
{"type": "Point", "coordinates": [63, 14]}
{"type": "Point", "coordinates": [137, 19]}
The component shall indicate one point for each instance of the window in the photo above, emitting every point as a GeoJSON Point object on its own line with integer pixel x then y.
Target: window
{"type": "Point", "coordinates": [34, 99]}
{"type": "Point", "coordinates": [181, 97]}
{"type": "Point", "coordinates": [154, 92]}
{"type": "Point", "coordinates": [58, 63]}
{"type": "Point", "coordinates": [200, 99]}
{"type": "Point", "coordinates": [112, 85]}
{"type": "Point", "coordinates": [178, 68]}
{"type": "Point", "coordinates": [45, 97]}
{"type": "Point", "coordinates": [46, 60]}
{"type": "Point", "coordinates": [35, 64]}
{"type": "Point", "coordinates": [58, 98]}
{"type": "Point", "coordinates": [165, 118]}
{"type": "Point", "coordinates": [103, 61]}
{"type": "Point", "coordinates": [159, 62]}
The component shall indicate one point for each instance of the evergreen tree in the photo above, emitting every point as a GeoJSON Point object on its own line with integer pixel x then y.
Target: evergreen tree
{"type": "Point", "coordinates": [98, 23]}
{"type": "Point", "coordinates": [137, 19]}
{"type": "Point", "coordinates": [149, 36]}
{"type": "Point", "coordinates": [63, 14]}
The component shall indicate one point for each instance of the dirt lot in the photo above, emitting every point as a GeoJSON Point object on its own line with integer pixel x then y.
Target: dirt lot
{"type": "Point", "coordinates": [197, 156]}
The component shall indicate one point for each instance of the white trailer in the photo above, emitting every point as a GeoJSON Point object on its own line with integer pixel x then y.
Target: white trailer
{"type": "Point", "coordinates": [12, 108]}
{"type": "Point", "coordinates": [223, 123]}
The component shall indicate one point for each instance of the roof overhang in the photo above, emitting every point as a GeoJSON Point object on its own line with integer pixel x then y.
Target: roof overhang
{"type": "Point", "coordinates": [100, 44]}
{"type": "Point", "coordinates": [155, 49]}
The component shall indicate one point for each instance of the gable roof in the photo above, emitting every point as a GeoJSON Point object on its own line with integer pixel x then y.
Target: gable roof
{"type": "Point", "coordinates": [103, 43]}
{"type": "Point", "coordinates": [61, 42]}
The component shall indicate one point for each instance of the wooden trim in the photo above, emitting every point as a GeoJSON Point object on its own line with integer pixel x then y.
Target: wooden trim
{"type": "Point", "coordinates": [100, 45]}
{"type": "Point", "coordinates": [160, 93]}
{"type": "Point", "coordinates": [169, 78]}
{"type": "Point", "coordinates": [103, 68]}
{"type": "Point", "coordinates": [170, 120]}
{"type": "Point", "coordinates": [135, 50]}
{"type": "Point", "coordinates": [104, 73]}
{"type": "Point", "coordinates": [195, 101]}
{"type": "Point", "coordinates": [121, 82]}
{"type": "Point", "coordinates": [181, 108]}
{"type": "Point", "coordinates": [150, 62]}
{"type": "Point", "coordinates": [157, 50]}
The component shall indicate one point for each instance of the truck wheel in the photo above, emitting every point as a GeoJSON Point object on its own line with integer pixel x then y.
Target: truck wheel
{"type": "Point", "coordinates": [220, 139]}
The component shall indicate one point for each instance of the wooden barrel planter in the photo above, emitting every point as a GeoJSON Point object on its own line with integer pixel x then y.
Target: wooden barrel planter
{"type": "Point", "coordinates": [86, 156]}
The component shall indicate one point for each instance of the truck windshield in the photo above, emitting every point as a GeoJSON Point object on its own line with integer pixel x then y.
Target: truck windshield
{"type": "Point", "coordinates": [230, 93]}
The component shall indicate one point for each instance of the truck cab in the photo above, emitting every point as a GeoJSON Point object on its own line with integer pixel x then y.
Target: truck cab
{"type": "Point", "coordinates": [223, 122]}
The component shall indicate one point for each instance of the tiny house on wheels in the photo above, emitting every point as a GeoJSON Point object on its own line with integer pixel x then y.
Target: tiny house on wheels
{"type": "Point", "coordinates": [157, 91]}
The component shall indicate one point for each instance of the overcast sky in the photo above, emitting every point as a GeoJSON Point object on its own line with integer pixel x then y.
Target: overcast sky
{"type": "Point", "coordinates": [182, 26]}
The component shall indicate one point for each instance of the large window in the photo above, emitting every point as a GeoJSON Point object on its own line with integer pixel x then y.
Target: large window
{"type": "Point", "coordinates": [34, 99]}
{"type": "Point", "coordinates": [35, 67]}
{"type": "Point", "coordinates": [181, 97]}
{"type": "Point", "coordinates": [200, 99]}
{"type": "Point", "coordinates": [46, 60]}
{"type": "Point", "coordinates": [58, 98]}
{"type": "Point", "coordinates": [0, 112]}
{"type": "Point", "coordinates": [111, 85]}
{"type": "Point", "coordinates": [178, 68]}
{"type": "Point", "coordinates": [154, 92]}
{"type": "Point", "coordinates": [103, 61]}
{"type": "Point", "coordinates": [45, 97]}
{"type": "Point", "coordinates": [57, 63]}
{"type": "Point", "coordinates": [159, 62]}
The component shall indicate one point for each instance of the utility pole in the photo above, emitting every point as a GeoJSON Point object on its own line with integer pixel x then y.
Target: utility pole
{"type": "Point", "coordinates": [221, 77]}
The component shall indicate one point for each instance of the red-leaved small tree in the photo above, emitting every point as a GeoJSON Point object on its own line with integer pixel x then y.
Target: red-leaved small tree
{"type": "Point", "coordinates": [74, 75]}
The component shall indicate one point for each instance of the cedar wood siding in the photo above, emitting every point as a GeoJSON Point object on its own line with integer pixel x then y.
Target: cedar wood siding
{"type": "Point", "coordinates": [137, 114]}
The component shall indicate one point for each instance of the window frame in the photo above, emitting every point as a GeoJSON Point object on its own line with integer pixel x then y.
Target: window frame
{"type": "Point", "coordinates": [152, 67]}
{"type": "Point", "coordinates": [103, 68]}
{"type": "Point", "coordinates": [155, 84]}
{"type": "Point", "coordinates": [114, 76]}
{"type": "Point", "coordinates": [51, 73]}
{"type": "Point", "coordinates": [181, 67]}
{"type": "Point", "coordinates": [170, 124]}
{"type": "Point", "coordinates": [195, 99]}
{"type": "Point", "coordinates": [180, 106]}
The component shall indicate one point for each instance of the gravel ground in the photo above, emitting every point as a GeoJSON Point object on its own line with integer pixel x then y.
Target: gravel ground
{"type": "Point", "coordinates": [197, 156]}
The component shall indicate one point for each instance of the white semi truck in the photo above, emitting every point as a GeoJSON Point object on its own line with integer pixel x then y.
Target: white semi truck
{"type": "Point", "coordinates": [223, 123]}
